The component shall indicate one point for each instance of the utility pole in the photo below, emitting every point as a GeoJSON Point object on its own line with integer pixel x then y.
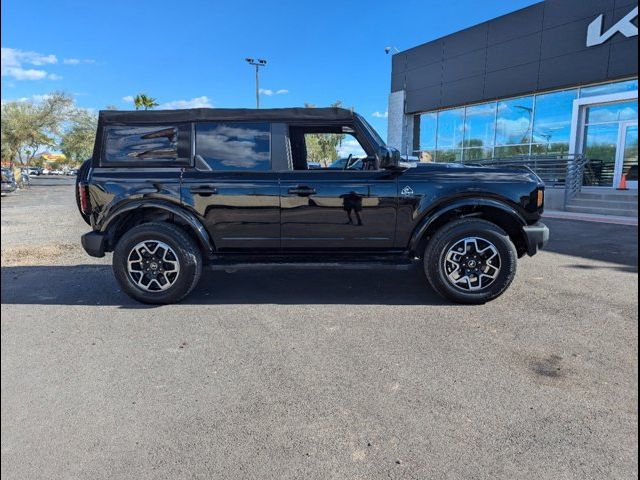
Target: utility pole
{"type": "Point", "coordinates": [257, 63]}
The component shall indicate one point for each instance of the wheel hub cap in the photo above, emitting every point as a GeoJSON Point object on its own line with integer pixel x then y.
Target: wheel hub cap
{"type": "Point", "coordinates": [153, 266]}
{"type": "Point", "coordinates": [472, 263]}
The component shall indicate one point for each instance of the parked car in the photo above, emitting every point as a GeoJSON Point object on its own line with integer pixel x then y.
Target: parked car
{"type": "Point", "coordinates": [57, 172]}
{"type": "Point", "coordinates": [8, 182]}
{"type": "Point", "coordinates": [171, 192]}
{"type": "Point", "coordinates": [72, 171]}
{"type": "Point", "coordinates": [33, 171]}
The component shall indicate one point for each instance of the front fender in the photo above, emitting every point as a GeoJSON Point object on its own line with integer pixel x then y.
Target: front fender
{"type": "Point", "coordinates": [188, 217]}
{"type": "Point", "coordinates": [433, 216]}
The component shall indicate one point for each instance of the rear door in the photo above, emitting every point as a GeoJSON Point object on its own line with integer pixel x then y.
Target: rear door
{"type": "Point", "coordinates": [232, 186]}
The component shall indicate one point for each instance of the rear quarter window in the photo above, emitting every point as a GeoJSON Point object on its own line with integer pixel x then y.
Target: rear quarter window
{"type": "Point", "coordinates": [159, 145]}
{"type": "Point", "coordinates": [234, 146]}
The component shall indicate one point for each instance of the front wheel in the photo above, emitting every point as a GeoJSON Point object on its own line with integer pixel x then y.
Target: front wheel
{"type": "Point", "coordinates": [470, 261]}
{"type": "Point", "coordinates": [157, 263]}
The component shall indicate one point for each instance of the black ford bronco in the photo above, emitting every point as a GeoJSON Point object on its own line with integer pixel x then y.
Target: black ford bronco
{"type": "Point", "coordinates": [170, 192]}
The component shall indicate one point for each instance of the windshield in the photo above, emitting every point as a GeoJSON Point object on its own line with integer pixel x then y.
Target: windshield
{"type": "Point", "coordinates": [372, 131]}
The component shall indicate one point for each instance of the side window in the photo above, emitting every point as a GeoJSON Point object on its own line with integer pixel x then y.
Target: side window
{"type": "Point", "coordinates": [234, 146]}
{"type": "Point", "coordinates": [332, 150]}
{"type": "Point", "coordinates": [147, 145]}
{"type": "Point", "coordinates": [330, 147]}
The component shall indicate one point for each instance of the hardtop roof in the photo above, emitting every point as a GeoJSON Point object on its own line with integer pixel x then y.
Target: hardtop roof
{"type": "Point", "coordinates": [225, 114]}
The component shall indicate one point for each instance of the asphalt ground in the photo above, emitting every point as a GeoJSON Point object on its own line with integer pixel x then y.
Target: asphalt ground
{"type": "Point", "coordinates": [315, 374]}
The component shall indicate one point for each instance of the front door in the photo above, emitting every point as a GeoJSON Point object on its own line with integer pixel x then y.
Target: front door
{"type": "Point", "coordinates": [333, 197]}
{"type": "Point", "coordinates": [610, 136]}
{"type": "Point", "coordinates": [329, 209]}
{"type": "Point", "coordinates": [627, 161]}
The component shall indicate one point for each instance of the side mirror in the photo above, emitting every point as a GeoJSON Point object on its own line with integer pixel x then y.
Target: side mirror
{"type": "Point", "coordinates": [389, 158]}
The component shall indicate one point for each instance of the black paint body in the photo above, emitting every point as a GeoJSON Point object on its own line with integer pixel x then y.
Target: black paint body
{"type": "Point", "coordinates": [283, 211]}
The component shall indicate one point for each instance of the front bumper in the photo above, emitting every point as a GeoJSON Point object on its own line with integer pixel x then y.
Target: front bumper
{"type": "Point", "coordinates": [536, 236]}
{"type": "Point", "coordinates": [94, 243]}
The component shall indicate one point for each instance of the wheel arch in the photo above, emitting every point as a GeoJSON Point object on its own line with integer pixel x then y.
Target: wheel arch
{"type": "Point", "coordinates": [137, 213]}
{"type": "Point", "coordinates": [492, 210]}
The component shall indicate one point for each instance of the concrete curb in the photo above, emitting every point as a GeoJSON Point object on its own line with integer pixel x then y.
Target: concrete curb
{"type": "Point", "coordinates": [591, 217]}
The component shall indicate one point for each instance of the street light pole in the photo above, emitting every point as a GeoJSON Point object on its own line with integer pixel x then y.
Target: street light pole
{"type": "Point", "coordinates": [257, 63]}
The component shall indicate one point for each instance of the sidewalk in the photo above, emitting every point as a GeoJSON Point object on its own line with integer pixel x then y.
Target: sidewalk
{"type": "Point", "coordinates": [590, 217]}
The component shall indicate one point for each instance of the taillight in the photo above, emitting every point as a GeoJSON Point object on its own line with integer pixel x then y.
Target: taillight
{"type": "Point", "coordinates": [83, 195]}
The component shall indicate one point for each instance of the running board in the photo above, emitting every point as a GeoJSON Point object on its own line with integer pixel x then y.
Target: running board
{"type": "Point", "coordinates": [392, 264]}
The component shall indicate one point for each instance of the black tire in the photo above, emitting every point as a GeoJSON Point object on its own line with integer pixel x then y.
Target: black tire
{"type": "Point", "coordinates": [186, 250]}
{"type": "Point", "coordinates": [447, 237]}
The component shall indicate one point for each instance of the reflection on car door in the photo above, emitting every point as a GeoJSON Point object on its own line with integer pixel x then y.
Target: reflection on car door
{"type": "Point", "coordinates": [335, 209]}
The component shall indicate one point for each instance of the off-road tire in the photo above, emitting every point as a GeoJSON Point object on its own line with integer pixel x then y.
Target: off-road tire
{"type": "Point", "coordinates": [186, 250]}
{"type": "Point", "coordinates": [446, 237]}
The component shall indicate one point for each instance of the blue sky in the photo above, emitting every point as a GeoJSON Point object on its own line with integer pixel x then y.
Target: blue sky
{"type": "Point", "coordinates": [192, 52]}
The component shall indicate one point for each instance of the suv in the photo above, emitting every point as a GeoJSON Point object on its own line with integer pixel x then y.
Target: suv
{"type": "Point", "coordinates": [169, 192]}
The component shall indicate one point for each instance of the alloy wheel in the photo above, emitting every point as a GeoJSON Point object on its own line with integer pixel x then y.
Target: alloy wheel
{"type": "Point", "coordinates": [153, 266]}
{"type": "Point", "coordinates": [472, 264]}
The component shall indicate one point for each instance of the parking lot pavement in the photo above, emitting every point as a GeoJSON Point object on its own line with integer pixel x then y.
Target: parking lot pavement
{"type": "Point", "coordinates": [328, 374]}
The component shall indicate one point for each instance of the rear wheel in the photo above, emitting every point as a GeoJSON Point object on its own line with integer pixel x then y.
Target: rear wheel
{"type": "Point", "coordinates": [470, 261]}
{"type": "Point", "coordinates": [157, 263]}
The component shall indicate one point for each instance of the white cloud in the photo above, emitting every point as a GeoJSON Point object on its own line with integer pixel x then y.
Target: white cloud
{"type": "Point", "coordinates": [77, 61]}
{"type": "Point", "coordinates": [197, 102]}
{"type": "Point", "coordinates": [380, 115]}
{"type": "Point", "coordinates": [15, 60]}
{"type": "Point", "coordinates": [128, 99]}
{"type": "Point", "coordinates": [268, 92]}
{"type": "Point", "coordinates": [32, 99]}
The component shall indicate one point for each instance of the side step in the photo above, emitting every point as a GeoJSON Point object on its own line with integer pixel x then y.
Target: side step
{"type": "Point", "coordinates": [287, 263]}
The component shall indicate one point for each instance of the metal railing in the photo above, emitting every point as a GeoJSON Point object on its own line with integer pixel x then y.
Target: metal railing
{"type": "Point", "coordinates": [570, 172]}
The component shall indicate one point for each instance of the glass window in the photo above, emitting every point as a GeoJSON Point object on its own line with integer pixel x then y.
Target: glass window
{"type": "Point", "coordinates": [427, 131]}
{"type": "Point", "coordinates": [608, 88]}
{"type": "Point", "coordinates": [555, 148]}
{"type": "Point", "coordinates": [477, 153]}
{"type": "Point", "coordinates": [513, 125]}
{"type": "Point", "coordinates": [600, 147]}
{"type": "Point", "coordinates": [613, 112]}
{"type": "Point", "coordinates": [332, 150]}
{"type": "Point", "coordinates": [234, 146]}
{"type": "Point", "coordinates": [141, 144]}
{"type": "Point", "coordinates": [479, 125]}
{"type": "Point", "coordinates": [552, 122]}
{"type": "Point", "coordinates": [511, 151]}
{"type": "Point", "coordinates": [449, 155]}
{"type": "Point", "coordinates": [450, 128]}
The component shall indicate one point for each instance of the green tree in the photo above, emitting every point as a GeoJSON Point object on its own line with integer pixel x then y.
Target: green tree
{"type": "Point", "coordinates": [322, 148]}
{"type": "Point", "coordinates": [144, 101]}
{"type": "Point", "coordinates": [29, 126]}
{"type": "Point", "coordinates": [78, 139]}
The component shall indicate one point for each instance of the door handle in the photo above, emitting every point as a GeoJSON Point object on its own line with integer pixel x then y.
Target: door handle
{"type": "Point", "coordinates": [204, 190]}
{"type": "Point", "coordinates": [302, 191]}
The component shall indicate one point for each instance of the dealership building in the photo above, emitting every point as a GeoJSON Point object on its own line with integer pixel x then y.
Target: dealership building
{"type": "Point", "coordinates": [557, 78]}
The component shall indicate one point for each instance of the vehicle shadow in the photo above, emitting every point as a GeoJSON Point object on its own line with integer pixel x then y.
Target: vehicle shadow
{"type": "Point", "coordinates": [95, 285]}
{"type": "Point", "coordinates": [603, 242]}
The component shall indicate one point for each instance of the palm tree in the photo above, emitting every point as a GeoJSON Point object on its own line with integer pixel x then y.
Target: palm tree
{"type": "Point", "coordinates": [142, 100]}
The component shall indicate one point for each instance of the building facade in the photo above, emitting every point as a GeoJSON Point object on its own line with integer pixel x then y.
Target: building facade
{"type": "Point", "coordinates": [558, 77]}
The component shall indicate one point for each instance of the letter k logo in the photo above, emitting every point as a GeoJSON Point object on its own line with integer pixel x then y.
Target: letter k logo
{"type": "Point", "coordinates": [625, 26]}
